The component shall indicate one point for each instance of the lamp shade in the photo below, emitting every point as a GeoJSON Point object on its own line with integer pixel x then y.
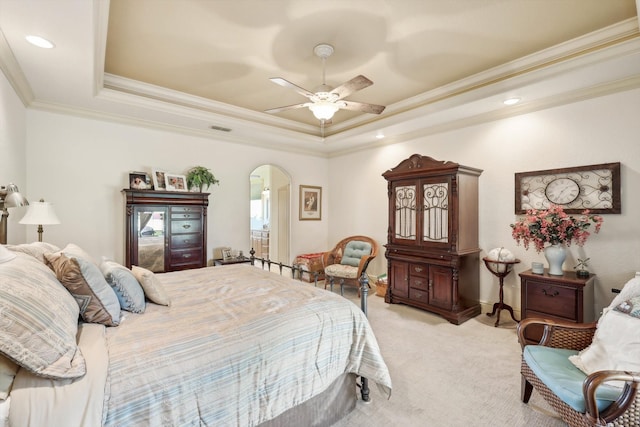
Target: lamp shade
{"type": "Point", "coordinates": [14, 198]}
{"type": "Point", "coordinates": [40, 213]}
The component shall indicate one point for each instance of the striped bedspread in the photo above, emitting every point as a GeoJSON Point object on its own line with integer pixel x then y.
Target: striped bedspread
{"type": "Point", "coordinates": [237, 347]}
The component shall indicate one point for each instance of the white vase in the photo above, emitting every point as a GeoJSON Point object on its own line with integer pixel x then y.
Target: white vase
{"type": "Point", "coordinates": [555, 255]}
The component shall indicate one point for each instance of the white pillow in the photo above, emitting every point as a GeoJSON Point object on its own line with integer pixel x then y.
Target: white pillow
{"type": "Point", "coordinates": [629, 290]}
{"type": "Point", "coordinates": [615, 345]}
{"type": "Point", "coordinates": [74, 251]}
{"type": "Point", "coordinates": [35, 249]}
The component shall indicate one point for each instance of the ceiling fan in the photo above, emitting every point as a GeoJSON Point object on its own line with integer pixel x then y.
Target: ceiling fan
{"type": "Point", "coordinates": [325, 101]}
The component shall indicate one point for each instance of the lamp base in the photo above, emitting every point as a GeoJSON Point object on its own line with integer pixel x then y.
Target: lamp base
{"type": "Point", "coordinates": [3, 226]}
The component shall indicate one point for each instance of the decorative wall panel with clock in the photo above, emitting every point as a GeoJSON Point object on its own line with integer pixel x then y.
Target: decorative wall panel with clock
{"type": "Point", "coordinates": [593, 187]}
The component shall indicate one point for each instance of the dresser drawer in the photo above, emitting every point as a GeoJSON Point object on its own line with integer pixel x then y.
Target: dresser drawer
{"type": "Point", "coordinates": [180, 211]}
{"type": "Point", "coordinates": [184, 241]}
{"type": "Point", "coordinates": [418, 270]}
{"type": "Point", "coordinates": [186, 257]}
{"type": "Point", "coordinates": [187, 226]}
{"type": "Point", "coordinates": [419, 282]}
{"type": "Point", "coordinates": [419, 295]}
{"type": "Point", "coordinates": [551, 299]}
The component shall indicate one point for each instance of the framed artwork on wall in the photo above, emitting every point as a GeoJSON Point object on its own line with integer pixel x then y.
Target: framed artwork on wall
{"type": "Point", "coordinates": [175, 182]}
{"type": "Point", "coordinates": [139, 181]}
{"type": "Point", "coordinates": [593, 187]}
{"type": "Point", "coordinates": [159, 179]}
{"type": "Point", "coordinates": [310, 202]}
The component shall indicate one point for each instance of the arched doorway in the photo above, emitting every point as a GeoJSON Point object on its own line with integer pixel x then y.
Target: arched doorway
{"type": "Point", "coordinates": [270, 208]}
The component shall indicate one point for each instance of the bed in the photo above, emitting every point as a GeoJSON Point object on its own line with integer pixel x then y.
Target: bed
{"type": "Point", "coordinates": [232, 345]}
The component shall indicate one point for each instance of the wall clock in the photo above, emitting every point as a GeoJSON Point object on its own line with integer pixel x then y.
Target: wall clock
{"type": "Point", "coordinates": [593, 187]}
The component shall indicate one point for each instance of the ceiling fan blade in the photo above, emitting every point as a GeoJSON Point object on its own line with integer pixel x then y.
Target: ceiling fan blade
{"type": "Point", "coordinates": [285, 83]}
{"type": "Point", "coordinates": [288, 107]}
{"type": "Point", "coordinates": [359, 106]}
{"type": "Point", "coordinates": [353, 85]}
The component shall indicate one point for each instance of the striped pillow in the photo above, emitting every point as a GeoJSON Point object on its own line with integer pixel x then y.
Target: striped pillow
{"type": "Point", "coordinates": [39, 320]}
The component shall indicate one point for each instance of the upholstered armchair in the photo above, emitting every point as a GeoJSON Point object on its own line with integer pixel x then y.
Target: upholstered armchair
{"type": "Point", "coordinates": [580, 399]}
{"type": "Point", "coordinates": [348, 260]}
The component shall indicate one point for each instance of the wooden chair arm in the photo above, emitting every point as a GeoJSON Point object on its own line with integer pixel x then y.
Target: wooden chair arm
{"type": "Point", "coordinates": [617, 408]}
{"type": "Point", "coordinates": [559, 333]}
{"type": "Point", "coordinates": [328, 258]}
{"type": "Point", "coordinates": [364, 263]}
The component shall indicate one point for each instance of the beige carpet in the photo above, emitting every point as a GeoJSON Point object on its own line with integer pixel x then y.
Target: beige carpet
{"type": "Point", "coordinates": [446, 375]}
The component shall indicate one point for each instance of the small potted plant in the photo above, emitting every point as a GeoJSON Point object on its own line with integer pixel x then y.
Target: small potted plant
{"type": "Point", "coordinates": [581, 267]}
{"type": "Point", "coordinates": [201, 178]}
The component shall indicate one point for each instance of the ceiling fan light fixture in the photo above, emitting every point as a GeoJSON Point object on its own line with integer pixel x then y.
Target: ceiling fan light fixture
{"type": "Point", "coordinates": [324, 110]}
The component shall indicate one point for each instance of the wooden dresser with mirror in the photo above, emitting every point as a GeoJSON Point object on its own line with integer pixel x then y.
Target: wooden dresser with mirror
{"type": "Point", "coordinates": [166, 230]}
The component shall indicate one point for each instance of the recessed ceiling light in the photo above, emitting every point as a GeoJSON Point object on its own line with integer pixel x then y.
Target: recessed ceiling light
{"type": "Point", "coordinates": [40, 42]}
{"type": "Point", "coordinates": [511, 101]}
{"type": "Point", "coordinates": [380, 135]}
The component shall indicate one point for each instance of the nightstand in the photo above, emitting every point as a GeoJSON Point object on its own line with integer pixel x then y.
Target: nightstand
{"type": "Point", "coordinates": [230, 261]}
{"type": "Point", "coordinates": [565, 297]}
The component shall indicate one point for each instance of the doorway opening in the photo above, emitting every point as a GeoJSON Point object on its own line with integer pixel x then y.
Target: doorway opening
{"type": "Point", "coordinates": [270, 207]}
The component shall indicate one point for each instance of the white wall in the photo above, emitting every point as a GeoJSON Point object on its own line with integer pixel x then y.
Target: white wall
{"type": "Point", "coordinates": [12, 152]}
{"type": "Point", "coordinates": [600, 130]}
{"type": "Point", "coordinates": [81, 165]}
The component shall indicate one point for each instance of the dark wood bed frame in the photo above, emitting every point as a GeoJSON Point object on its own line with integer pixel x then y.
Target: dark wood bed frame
{"type": "Point", "coordinates": [296, 269]}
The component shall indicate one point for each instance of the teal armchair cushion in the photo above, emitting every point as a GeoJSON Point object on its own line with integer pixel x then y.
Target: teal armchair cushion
{"type": "Point", "coordinates": [354, 251]}
{"type": "Point", "coordinates": [553, 367]}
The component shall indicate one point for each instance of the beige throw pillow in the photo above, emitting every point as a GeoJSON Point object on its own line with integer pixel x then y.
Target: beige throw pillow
{"type": "Point", "coordinates": [151, 286]}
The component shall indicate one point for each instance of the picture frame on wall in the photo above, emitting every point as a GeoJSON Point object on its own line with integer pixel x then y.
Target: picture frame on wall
{"type": "Point", "coordinates": [139, 181]}
{"type": "Point", "coordinates": [159, 182]}
{"type": "Point", "coordinates": [310, 203]}
{"type": "Point", "coordinates": [175, 182]}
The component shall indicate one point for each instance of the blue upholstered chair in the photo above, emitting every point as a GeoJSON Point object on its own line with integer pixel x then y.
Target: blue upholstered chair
{"type": "Point", "coordinates": [579, 399]}
{"type": "Point", "coordinates": [348, 260]}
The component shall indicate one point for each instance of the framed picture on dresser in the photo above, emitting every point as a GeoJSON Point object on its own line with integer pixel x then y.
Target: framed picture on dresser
{"type": "Point", "coordinates": [175, 182]}
{"type": "Point", "coordinates": [159, 182]}
{"type": "Point", "coordinates": [139, 181]}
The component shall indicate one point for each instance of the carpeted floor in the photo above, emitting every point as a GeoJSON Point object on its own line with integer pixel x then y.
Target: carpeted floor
{"type": "Point", "coordinates": [446, 375]}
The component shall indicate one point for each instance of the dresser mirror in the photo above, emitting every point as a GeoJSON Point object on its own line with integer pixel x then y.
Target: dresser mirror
{"type": "Point", "coordinates": [151, 239]}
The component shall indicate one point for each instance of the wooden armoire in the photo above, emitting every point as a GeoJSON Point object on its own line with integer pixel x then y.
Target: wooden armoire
{"type": "Point", "coordinates": [432, 250]}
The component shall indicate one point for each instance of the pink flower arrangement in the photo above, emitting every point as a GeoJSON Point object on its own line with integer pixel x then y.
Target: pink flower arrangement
{"type": "Point", "coordinates": [554, 226]}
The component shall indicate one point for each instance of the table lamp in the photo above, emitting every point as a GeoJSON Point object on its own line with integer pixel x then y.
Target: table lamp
{"type": "Point", "coordinates": [40, 213]}
{"type": "Point", "coordinates": [10, 197]}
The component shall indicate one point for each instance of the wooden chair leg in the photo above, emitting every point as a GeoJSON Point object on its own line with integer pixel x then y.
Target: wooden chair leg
{"type": "Point", "coordinates": [525, 390]}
